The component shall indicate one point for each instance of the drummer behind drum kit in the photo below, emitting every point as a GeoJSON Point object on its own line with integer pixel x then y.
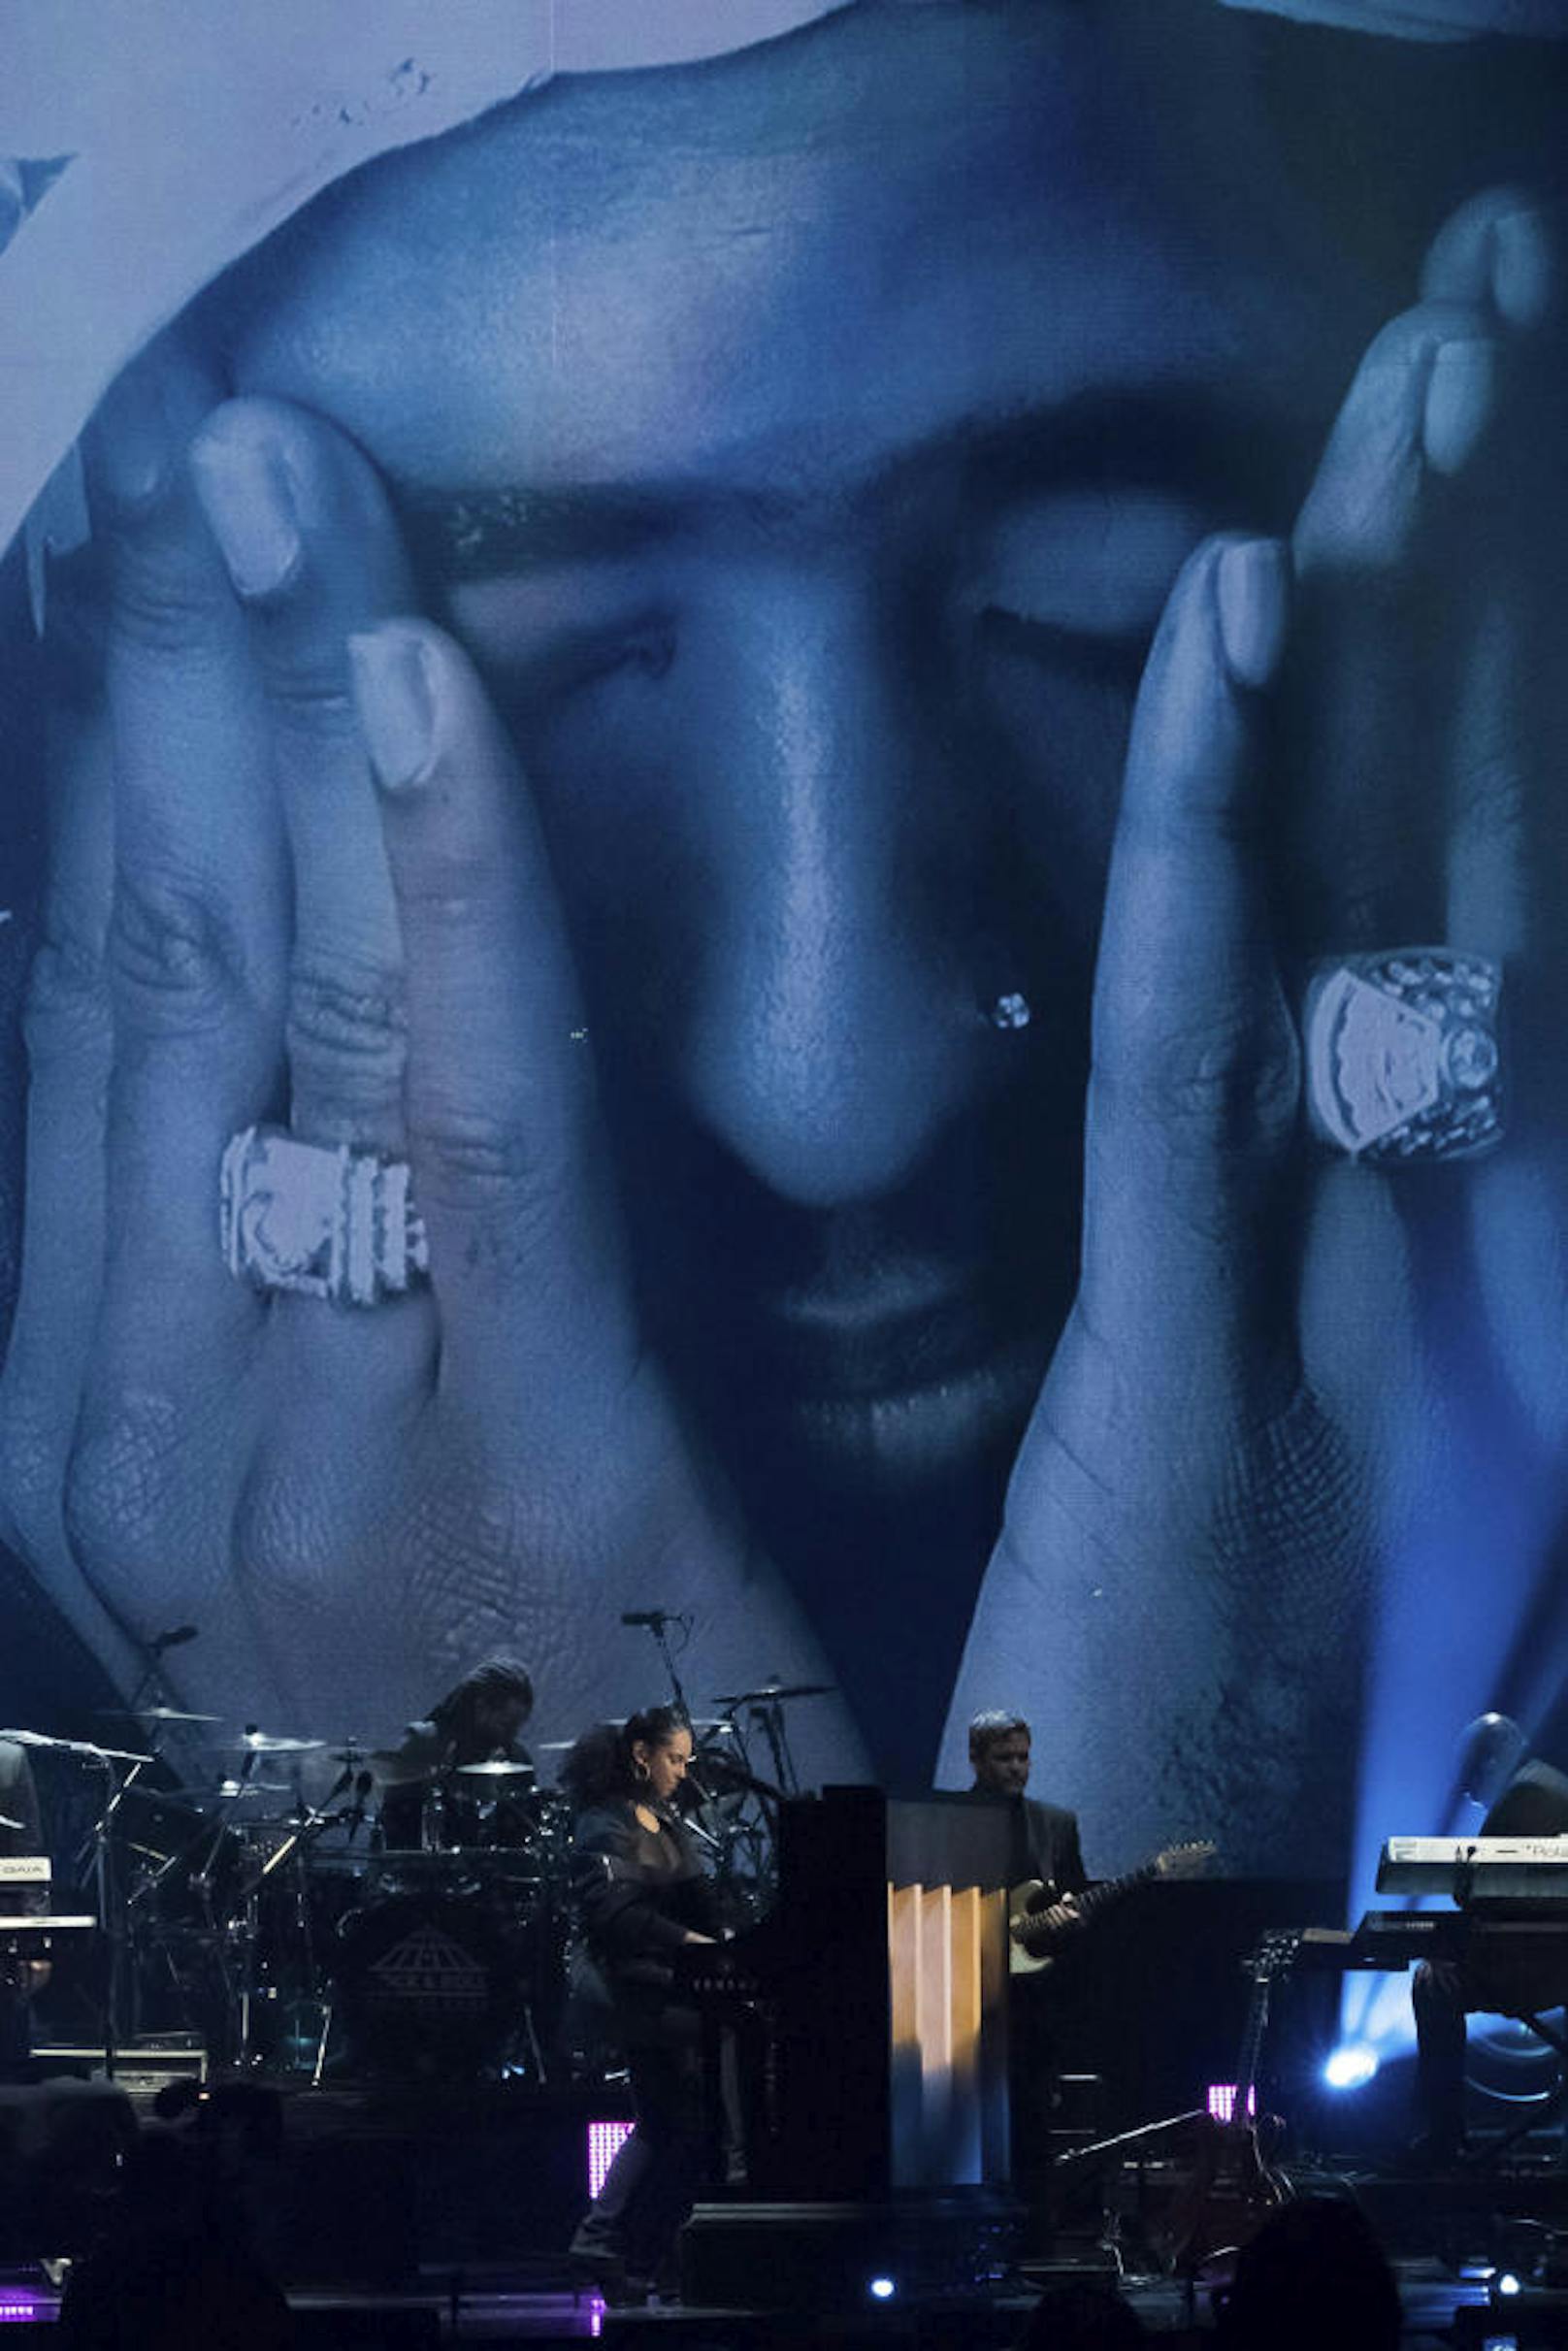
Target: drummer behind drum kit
{"type": "Point", "coordinates": [288, 1935]}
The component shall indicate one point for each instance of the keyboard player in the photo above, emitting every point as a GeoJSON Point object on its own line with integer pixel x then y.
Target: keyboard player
{"type": "Point", "coordinates": [1523, 1797]}
{"type": "Point", "coordinates": [21, 1835]}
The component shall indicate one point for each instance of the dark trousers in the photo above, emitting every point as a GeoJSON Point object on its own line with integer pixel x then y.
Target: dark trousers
{"type": "Point", "coordinates": [651, 2186]}
{"type": "Point", "coordinates": [1443, 1993]}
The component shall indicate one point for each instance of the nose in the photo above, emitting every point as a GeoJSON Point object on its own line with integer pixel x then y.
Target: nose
{"type": "Point", "coordinates": [836, 1027]}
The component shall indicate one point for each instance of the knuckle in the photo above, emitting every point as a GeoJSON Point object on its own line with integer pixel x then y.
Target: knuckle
{"type": "Point", "coordinates": [287, 1540]}
{"type": "Point", "coordinates": [174, 954]}
{"type": "Point", "coordinates": [1229, 1086]}
{"type": "Point", "coordinates": [474, 1159]}
{"type": "Point", "coordinates": [116, 1483]}
{"type": "Point", "coordinates": [163, 606]}
{"type": "Point", "coordinates": [354, 1022]}
{"type": "Point", "coordinates": [309, 691]}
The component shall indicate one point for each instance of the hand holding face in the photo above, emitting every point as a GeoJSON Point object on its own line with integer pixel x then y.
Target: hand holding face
{"type": "Point", "coordinates": [352, 1504]}
{"type": "Point", "coordinates": [1341, 743]}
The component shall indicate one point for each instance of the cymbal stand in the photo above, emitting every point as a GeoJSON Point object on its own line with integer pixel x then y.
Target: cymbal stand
{"type": "Point", "coordinates": [309, 1822]}
{"type": "Point", "coordinates": [746, 1837]}
{"type": "Point", "coordinates": [769, 1718]}
{"type": "Point", "coordinates": [658, 1619]}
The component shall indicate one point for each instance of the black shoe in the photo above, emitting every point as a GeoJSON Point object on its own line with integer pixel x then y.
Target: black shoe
{"type": "Point", "coordinates": [597, 2266]}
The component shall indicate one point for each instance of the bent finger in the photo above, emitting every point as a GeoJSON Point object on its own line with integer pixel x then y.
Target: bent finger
{"type": "Point", "coordinates": [509, 1159]}
{"type": "Point", "coordinates": [198, 926]}
{"type": "Point", "coordinates": [312, 553]}
{"type": "Point", "coordinates": [1195, 1085]}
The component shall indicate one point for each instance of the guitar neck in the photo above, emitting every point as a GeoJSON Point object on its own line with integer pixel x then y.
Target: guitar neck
{"type": "Point", "coordinates": [1110, 1889]}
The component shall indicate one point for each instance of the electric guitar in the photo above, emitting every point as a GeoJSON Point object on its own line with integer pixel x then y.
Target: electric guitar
{"type": "Point", "coordinates": [1233, 2186]}
{"type": "Point", "coordinates": [1034, 1938]}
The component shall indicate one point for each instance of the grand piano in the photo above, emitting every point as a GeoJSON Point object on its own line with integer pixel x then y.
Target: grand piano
{"type": "Point", "coordinates": [861, 2033]}
{"type": "Point", "coordinates": [869, 2012]}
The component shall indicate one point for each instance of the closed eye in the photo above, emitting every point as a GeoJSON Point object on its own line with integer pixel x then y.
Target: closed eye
{"type": "Point", "coordinates": [1097, 659]}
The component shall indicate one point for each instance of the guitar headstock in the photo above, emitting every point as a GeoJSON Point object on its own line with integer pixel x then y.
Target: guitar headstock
{"type": "Point", "coordinates": [1187, 1860]}
{"type": "Point", "coordinates": [1273, 1955]}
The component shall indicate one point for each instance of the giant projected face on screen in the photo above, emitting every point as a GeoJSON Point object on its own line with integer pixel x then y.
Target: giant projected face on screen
{"type": "Point", "coordinates": [775, 675]}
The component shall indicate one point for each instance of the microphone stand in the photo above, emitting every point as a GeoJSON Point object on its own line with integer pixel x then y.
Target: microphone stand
{"type": "Point", "coordinates": [98, 1759]}
{"type": "Point", "coordinates": [658, 1618]}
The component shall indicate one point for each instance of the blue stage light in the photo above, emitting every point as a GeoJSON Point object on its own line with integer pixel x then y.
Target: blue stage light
{"type": "Point", "coordinates": [1351, 2067]}
{"type": "Point", "coordinates": [882, 2289]}
{"type": "Point", "coordinates": [1507, 2283]}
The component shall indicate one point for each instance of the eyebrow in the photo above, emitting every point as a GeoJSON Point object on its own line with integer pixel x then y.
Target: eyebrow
{"type": "Point", "coordinates": [1182, 441]}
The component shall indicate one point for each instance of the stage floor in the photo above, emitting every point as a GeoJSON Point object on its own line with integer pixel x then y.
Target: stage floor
{"type": "Point", "coordinates": [398, 2221]}
{"type": "Point", "coordinates": [455, 2311]}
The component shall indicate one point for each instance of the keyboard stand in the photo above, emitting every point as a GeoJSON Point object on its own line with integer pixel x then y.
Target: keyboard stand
{"type": "Point", "coordinates": [1550, 2108]}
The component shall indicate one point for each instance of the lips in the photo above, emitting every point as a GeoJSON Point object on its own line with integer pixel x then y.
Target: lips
{"type": "Point", "coordinates": [867, 1332]}
{"type": "Point", "coordinates": [897, 1329]}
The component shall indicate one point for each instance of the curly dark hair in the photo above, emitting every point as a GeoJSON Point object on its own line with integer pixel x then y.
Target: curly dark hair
{"type": "Point", "coordinates": [497, 1676]}
{"type": "Point", "coordinates": [600, 1766]}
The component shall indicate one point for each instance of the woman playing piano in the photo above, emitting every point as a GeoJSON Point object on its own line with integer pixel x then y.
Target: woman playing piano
{"type": "Point", "coordinates": [641, 1894]}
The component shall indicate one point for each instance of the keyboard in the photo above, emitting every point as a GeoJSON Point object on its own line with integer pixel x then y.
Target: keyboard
{"type": "Point", "coordinates": [1477, 1868]}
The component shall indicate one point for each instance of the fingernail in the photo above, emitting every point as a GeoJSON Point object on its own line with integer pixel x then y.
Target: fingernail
{"type": "Point", "coordinates": [1524, 268]}
{"type": "Point", "coordinates": [396, 695]}
{"type": "Point", "coordinates": [248, 501]}
{"type": "Point", "coordinates": [1251, 589]}
{"type": "Point", "coordinates": [130, 440]}
{"type": "Point", "coordinates": [1459, 397]}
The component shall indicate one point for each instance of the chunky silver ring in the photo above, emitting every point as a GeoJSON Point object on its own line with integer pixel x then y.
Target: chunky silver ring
{"type": "Point", "coordinates": [1403, 1060]}
{"type": "Point", "coordinates": [323, 1222]}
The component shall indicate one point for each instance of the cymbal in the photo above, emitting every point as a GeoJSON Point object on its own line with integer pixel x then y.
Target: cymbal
{"type": "Point", "coordinates": [263, 1742]}
{"type": "Point", "coordinates": [773, 1691]}
{"type": "Point", "coordinates": [706, 1726]}
{"type": "Point", "coordinates": [227, 1792]}
{"type": "Point", "coordinates": [497, 1768]}
{"type": "Point", "coordinates": [155, 1713]}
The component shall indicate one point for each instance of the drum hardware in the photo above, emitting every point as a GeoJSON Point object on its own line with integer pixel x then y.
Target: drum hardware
{"type": "Point", "coordinates": [153, 1714]}
{"type": "Point", "coordinates": [264, 1743]}
{"type": "Point", "coordinates": [767, 1704]}
{"type": "Point", "coordinates": [107, 1909]}
{"type": "Point", "coordinates": [232, 1791]}
{"type": "Point", "coordinates": [279, 1965]}
{"type": "Point", "coordinates": [774, 1693]}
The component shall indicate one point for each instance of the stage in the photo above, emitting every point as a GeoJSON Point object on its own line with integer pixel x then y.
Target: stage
{"type": "Point", "coordinates": [396, 2218]}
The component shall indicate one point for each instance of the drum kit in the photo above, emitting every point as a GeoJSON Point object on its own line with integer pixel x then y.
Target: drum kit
{"type": "Point", "coordinates": [286, 1931]}
{"type": "Point", "coordinates": [404, 1923]}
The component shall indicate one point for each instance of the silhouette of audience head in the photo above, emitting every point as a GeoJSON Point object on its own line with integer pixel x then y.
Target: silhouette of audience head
{"type": "Point", "coordinates": [1082, 2314]}
{"type": "Point", "coordinates": [1314, 2274]}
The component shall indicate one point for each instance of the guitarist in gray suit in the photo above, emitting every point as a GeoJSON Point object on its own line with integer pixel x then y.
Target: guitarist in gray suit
{"type": "Point", "coordinates": [1045, 1846]}
{"type": "Point", "coordinates": [1045, 1836]}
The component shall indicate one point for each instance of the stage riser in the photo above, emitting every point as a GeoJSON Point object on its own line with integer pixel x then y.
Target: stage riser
{"type": "Point", "coordinates": [824, 2255]}
{"type": "Point", "coordinates": [364, 2201]}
